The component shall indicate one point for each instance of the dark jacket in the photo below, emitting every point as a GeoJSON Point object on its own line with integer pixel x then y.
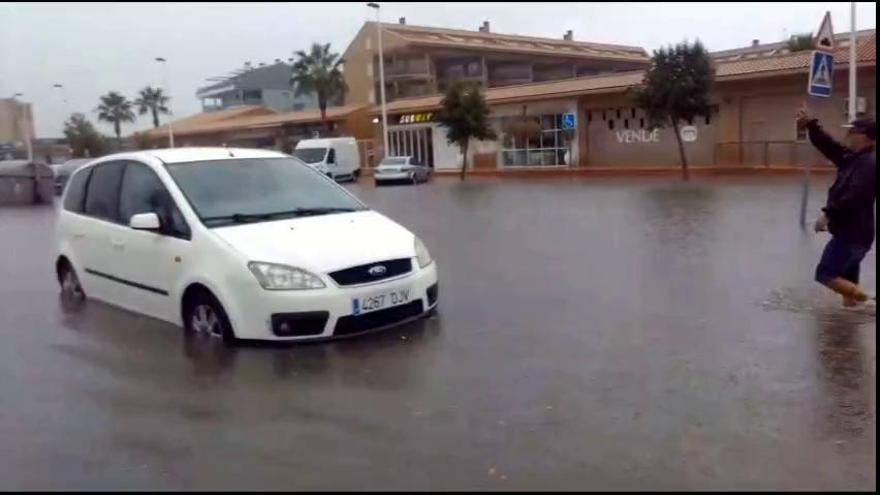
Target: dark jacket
{"type": "Point", "coordinates": [850, 206]}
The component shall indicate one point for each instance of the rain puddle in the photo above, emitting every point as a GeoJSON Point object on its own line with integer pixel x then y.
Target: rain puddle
{"type": "Point", "coordinates": [817, 303]}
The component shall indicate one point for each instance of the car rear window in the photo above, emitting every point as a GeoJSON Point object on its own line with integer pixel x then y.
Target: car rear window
{"type": "Point", "coordinates": [103, 191]}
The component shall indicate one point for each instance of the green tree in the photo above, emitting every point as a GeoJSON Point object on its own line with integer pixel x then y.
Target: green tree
{"type": "Point", "coordinates": [800, 42]}
{"type": "Point", "coordinates": [465, 114]}
{"type": "Point", "coordinates": [82, 137]}
{"type": "Point", "coordinates": [115, 109]}
{"type": "Point", "coordinates": [676, 89]}
{"type": "Point", "coordinates": [154, 101]}
{"type": "Point", "coordinates": [319, 72]}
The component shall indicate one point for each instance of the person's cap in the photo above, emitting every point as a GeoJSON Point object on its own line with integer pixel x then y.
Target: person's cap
{"type": "Point", "coordinates": [866, 127]}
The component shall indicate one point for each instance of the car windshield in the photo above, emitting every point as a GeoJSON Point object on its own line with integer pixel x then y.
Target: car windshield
{"type": "Point", "coordinates": [393, 161]}
{"type": "Point", "coordinates": [224, 192]}
{"type": "Point", "coordinates": [310, 155]}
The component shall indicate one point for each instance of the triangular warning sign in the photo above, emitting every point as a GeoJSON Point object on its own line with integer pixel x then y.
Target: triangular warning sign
{"type": "Point", "coordinates": [825, 36]}
{"type": "Point", "coordinates": [822, 76]}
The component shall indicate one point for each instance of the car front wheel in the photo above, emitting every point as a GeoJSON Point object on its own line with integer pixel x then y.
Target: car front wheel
{"type": "Point", "coordinates": [203, 314]}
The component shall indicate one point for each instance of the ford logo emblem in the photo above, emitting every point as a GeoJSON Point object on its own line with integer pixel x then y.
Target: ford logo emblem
{"type": "Point", "coordinates": [377, 271]}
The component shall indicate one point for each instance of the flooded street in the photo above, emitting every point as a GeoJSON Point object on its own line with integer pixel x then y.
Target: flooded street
{"type": "Point", "coordinates": [604, 334]}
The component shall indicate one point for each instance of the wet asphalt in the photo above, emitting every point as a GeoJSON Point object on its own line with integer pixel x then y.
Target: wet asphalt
{"type": "Point", "coordinates": [593, 334]}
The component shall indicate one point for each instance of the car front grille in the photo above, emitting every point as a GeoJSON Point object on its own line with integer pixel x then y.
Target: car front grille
{"type": "Point", "coordinates": [381, 270]}
{"type": "Point", "coordinates": [352, 324]}
{"type": "Point", "coordinates": [432, 294]}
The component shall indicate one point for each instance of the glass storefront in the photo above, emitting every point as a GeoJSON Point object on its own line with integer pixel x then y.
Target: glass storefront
{"type": "Point", "coordinates": [533, 141]}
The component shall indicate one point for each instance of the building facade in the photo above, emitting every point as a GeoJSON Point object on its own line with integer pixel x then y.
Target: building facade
{"type": "Point", "coordinates": [583, 118]}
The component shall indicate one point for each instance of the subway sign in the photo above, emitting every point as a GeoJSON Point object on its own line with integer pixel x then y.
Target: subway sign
{"type": "Point", "coordinates": [415, 118]}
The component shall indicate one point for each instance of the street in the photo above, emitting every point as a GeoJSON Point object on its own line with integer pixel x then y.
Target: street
{"type": "Point", "coordinates": [592, 334]}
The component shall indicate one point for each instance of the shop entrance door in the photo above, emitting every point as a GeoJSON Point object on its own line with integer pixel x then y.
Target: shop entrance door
{"type": "Point", "coordinates": [416, 142]}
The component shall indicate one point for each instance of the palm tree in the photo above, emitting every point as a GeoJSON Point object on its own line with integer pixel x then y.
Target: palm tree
{"type": "Point", "coordinates": [152, 100]}
{"type": "Point", "coordinates": [320, 72]}
{"type": "Point", "coordinates": [115, 109]}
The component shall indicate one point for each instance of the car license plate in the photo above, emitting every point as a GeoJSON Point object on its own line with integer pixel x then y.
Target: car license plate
{"type": "Point", "coordinates": [379, 301]}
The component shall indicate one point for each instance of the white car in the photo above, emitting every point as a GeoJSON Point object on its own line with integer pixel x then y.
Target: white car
{"type": "Point", "coordinates": [239, 243]}
{"type": "Point", "coordinates": [401, 168]}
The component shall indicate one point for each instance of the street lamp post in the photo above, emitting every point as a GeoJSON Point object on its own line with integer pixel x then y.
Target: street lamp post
{"type": "Point", "coordinates": [385, 149]}
{"type": "Point", "coordinates": [852, 110]}
{"type": "Point", "coordinates": [164, 63]}
{"type": "Point", "coordinates": [24, 126]}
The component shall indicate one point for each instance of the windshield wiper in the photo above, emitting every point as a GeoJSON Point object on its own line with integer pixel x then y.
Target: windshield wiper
{"type": "Point", "coordinates": [296, 212]}
{"type": "Point", "coordinates": [238, 218]}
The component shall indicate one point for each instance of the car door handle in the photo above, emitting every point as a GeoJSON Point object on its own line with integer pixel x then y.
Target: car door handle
{"type": "Point", "coordinates": [118, 244]}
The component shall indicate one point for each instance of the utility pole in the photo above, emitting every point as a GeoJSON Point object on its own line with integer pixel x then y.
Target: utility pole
{"type": "Point", "coordinates": [164, 63]}
{"type": "Point", "coordinates": [385, 149]}
{"type": "Point", "coordinates": [852, 62]}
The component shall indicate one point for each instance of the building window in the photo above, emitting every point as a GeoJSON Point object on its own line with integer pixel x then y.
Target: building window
{"type": "Point", "coordinates": [641, 123]}
{"type": "Point", "coordinates": [708, 119]}
{"type": "Point", "coordinates": [533, 141]}
{"type": "Point", "coordinates": [618, 113]}
{"type": "Point", "coordinates": [626, 123]}
{"type": "Point", "coordinates": [611, 125]}
{"type": "Point", "coordinates": [800, 134]}
{"type": "Point", "coordinates": [633, 113]}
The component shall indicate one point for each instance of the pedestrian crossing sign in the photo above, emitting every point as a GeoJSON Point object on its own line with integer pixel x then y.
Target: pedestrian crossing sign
{"type": "Point", "coordinates": [821, 74]}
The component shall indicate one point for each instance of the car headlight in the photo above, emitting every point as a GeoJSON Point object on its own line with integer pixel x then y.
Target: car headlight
{"type": "Point", "coordinates": [282, 277]}
{"type": "Point", "coordinates": [422, 253]}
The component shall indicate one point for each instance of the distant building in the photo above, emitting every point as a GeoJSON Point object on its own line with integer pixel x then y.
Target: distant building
{"type": "Point", "coordinates": [264, 85]}
{"type": "Point", "coordinates": [16, 125]}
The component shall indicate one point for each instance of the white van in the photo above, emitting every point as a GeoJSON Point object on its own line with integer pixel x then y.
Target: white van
{"type": "Point", "coordinates": [338, 158]}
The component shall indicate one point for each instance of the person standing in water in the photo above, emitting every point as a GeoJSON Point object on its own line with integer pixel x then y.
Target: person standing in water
{"type": "Point", "coordinates": [849, 212]}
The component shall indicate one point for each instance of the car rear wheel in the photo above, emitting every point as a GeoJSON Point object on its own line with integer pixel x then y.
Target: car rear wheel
{"type": "Point", "coordinates": [71, 289]}
{"type": "Point", "coordinates": [203, 314]}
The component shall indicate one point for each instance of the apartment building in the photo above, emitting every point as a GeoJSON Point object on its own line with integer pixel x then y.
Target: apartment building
{"type": "Point", "coordinates": [265, 85]}
{"type": "Point", "coordinates": [421, 61]}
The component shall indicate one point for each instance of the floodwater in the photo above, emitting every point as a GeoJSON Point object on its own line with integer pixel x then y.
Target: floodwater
{"type": "Point", "coordinates": [604, 334]}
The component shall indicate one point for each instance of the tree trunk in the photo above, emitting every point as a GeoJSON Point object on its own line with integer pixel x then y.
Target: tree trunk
{"type": "Point", "coordinates": [464, 160]}
{"type": "Point", "coordinates": [155, 118]}
{"type": "Point", "coordinates": [118, 135]}
{"type": "Point", "coordinates": [322, 106]}
{"type": "Point", "coordinates": [685, 174]}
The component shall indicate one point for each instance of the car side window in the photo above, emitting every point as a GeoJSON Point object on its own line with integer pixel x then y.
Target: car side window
{"type": "Point", "coordinates": [102, 196]}
{"type": "Point", "coordinates": [76, 191]}
{"type": "Point", "coordinates": [143, 192]}
{"type": "Point", "coordinates": [331, 156]}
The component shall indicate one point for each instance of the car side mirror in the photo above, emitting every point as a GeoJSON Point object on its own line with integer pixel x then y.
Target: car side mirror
{"type": "Point", "coordinates": [145, 221]}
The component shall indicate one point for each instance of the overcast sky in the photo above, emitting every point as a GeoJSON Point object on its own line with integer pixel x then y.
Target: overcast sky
{"type": "Point", "coordinates": [94, 48]}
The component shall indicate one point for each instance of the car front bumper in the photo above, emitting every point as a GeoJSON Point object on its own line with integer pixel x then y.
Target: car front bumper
{"type": "Point", "coordinates": [328, 313]}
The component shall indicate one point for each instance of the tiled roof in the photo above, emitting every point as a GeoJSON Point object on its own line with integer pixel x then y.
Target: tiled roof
{"type": "Point", "coordinates": [751, 67]}
{"type": "Point", "coordinates": [781, 47]}
{"type": "Point", "coordinates": [197, 121]}
{"type": "Point", "coordinates": [269, 120]}
{"type": "Point", "coordinates": [866, 53]}
{"type": "Point", "coordinates": [458, 38]}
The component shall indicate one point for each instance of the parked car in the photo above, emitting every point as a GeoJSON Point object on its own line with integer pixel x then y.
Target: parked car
{"type": "Point", "coordinates": [338, 158]}
{"type": "Point", "coordinates": [239, 243]}
{"type": "Point", "coordinates": [63, 172]}
{"type": "Point", "coordinates": [401, 169]}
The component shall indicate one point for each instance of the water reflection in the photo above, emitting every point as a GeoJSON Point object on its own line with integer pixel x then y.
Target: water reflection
{"type": "Point", "coordinates": [844, 375]}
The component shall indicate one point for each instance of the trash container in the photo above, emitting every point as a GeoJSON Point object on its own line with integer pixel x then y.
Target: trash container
{"type": "Point", "coordinates": [23, 182]}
